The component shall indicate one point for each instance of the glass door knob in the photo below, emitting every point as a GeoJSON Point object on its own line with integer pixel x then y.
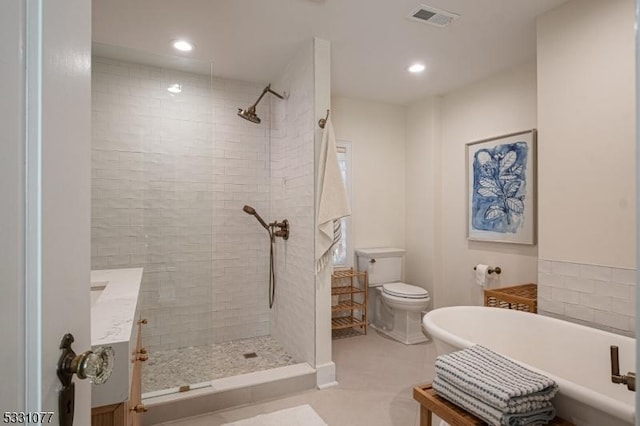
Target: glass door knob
{"type": "Point", "coordinates": [95, 366]}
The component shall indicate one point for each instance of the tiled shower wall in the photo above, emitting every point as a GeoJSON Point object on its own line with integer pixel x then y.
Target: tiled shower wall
{"type": "Point", "coordinates": [152, 193]}
{"type": "Point", "coordinates": [593, 295]}
{"type": "Point", "coordinates": [170, 175]}
{"type": "Point", "coordinates": [240, 243]}
{"type": "Point", "coordinates": [292, 197]}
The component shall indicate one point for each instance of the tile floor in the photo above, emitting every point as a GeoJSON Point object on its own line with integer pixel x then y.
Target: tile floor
{"type": "Point", "coordinates": [187, 366]}
{"type": "Point", "coordinates": [376, 376]}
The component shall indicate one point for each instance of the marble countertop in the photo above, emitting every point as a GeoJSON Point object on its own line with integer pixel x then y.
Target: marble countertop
{"type": "Point", "coordinates": [113, 323]}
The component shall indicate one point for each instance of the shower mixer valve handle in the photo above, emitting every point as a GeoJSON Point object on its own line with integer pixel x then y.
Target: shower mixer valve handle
{"type": "Point", "coordinates": [283, 231]}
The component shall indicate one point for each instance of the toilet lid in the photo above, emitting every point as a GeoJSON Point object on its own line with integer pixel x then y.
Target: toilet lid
{"type": "Point", "coordinates": [405, 290]}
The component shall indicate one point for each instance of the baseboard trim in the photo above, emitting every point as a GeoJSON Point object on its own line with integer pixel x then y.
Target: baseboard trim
{"type": "Point", "coordinates": [326, 375]}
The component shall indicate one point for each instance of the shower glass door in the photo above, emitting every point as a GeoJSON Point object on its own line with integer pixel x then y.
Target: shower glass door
{"type": "Point", "coordinates": [152, 195]}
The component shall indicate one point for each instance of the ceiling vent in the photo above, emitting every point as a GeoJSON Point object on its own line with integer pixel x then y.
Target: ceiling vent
{"type": "Point", "coordinates": [432, 16]}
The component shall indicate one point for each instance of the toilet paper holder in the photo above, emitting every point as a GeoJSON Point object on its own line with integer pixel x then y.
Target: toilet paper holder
{"type": "Point", "coordinates": [496, 269]}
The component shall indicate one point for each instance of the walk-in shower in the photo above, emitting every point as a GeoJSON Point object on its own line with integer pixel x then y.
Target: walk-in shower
{"type": "Point", "coordinates": [171, 174]}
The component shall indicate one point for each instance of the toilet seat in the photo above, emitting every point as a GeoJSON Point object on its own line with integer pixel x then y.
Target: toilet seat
{"type": "Point", "coordinates": [405, 291]}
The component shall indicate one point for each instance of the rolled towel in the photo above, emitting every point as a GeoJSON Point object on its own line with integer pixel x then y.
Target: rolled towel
{"type": "Point", "coordinates": [543, 414]}
{"type": "Point", "coordinates": [494, 379]}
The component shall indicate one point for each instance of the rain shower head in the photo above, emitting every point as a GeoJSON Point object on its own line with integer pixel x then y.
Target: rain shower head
{"type": "Point", "coordinates": [250, 113]}
{"type": "Point", "coordinates": [250, 210]}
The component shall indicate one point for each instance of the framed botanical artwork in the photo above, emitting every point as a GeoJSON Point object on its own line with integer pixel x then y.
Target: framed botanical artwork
{"type": "Point", "coordinates": [501, 189]}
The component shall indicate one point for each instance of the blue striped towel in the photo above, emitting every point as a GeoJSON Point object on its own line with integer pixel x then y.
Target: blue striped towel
{"type": "Point", "coordinates": [495, 380]}
{"type": "Point", "coordinates": [541, 415]}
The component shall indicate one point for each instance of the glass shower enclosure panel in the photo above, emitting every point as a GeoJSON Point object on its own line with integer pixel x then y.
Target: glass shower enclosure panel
{"type": "Point", "coordinates": [178, 220]}
{"type": "Point", "coordinates": [152, 202]}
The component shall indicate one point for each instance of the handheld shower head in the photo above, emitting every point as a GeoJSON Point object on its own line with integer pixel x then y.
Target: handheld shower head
{"type": "Point", "coordinates": [250, 210]}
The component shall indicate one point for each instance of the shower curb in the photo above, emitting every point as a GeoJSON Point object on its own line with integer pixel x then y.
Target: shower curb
{"type": "Point", "coordinates": [230, 392]}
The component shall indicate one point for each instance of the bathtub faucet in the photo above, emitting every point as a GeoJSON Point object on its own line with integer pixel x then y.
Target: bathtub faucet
{"type": "Point", "coordinates": [629, 379]}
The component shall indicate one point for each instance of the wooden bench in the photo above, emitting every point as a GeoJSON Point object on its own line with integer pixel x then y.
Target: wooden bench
{"type": "Point", "coordinates": [430, 403]}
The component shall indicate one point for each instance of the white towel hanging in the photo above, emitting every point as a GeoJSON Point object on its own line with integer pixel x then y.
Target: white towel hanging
{"type": "Point", "coordinates": [333, 203]}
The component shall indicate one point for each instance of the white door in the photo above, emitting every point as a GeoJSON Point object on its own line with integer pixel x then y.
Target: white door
{"type": "Point", "coordinates": [45, 113]}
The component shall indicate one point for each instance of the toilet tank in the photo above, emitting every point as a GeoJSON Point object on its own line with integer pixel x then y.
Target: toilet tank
{"type": "Point", "coordinates": [384, 265]}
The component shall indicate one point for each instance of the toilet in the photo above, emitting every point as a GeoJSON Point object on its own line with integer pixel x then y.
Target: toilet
{"type": "Point", "coordinates": [395, 307]}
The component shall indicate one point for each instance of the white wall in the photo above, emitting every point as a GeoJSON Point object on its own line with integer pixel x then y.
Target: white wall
{"type": "Point", "coordinates": [502, 104]}
{"type": "Point", "coordinates": [423, 261]}
{"type": "Point", "coordinates": [292, 198]}
{"type": "Point", "coordinates": [417, 200]}
{"type": "Point", "coordinates": [586, 119]}
{"type": "Point", "coordinates": [376, 131]}
{"type": "Point", "coordinates": [586, 165]}
{"type": "Point", "coordinates": [326, 369]}
{"type": "Point", "coordinates": [586, 110]}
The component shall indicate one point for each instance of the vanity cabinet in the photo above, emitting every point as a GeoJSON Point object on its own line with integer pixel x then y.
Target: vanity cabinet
{"type": "Point", "coordinates": [126, 413]}
{"type": "Point", "coordinates": [349, 301]}
{"type": "Point", "coordinates": [109, 415]}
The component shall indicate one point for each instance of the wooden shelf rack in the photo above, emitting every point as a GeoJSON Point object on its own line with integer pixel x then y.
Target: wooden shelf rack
{"type": "Point", "coordinates": [349, 299]}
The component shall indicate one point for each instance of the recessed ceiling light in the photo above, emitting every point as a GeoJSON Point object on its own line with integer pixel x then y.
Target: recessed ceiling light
{"type": "Point", "coordinates": [183, 45]}
{"type": "Point", "coordinates": [175, 88]}
{"type": "Point", "coordinates": [416, 68]}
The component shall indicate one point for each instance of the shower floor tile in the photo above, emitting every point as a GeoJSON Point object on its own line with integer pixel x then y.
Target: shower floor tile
{"type": "Point", "coordinates": [186, 366]}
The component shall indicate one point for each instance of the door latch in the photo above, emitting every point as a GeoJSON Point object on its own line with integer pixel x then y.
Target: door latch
{"type": "Point", "coordinates": [95, 366]}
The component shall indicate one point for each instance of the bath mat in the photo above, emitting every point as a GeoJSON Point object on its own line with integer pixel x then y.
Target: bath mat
{"type": "Point", "coordinates": [296, 416]}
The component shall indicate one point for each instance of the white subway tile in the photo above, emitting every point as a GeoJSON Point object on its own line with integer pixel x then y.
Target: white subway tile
{"type": "Point", "coordinates": [552, 306]}
{"type": "Point", "coordinates": [615, 290]}
{"type": "Point", "coordinates": [624, 307]}
{"type": "Point", "coordinates": [610, 319]}
{"type": "Point", "coordinates": [580, 312]}
{"type": "Point", "coordinates": [601, 273]}
{"type": "Point", "coordinates": [602, 303]}
{"type": "Point", "coordinates": [551, 280]}
{"type": "Point", "coordinates": [565, 268]}
{"type": "Point", "coordinates": [544, 266]}
{"type": "Point", "coordinates": [580, 284]}
{"type": "Point", "coordinates": [564, 295]}
{"type": "Point", "coordinates": [624, 276]}
{"type": "Point", "coordinates": [544, 291]}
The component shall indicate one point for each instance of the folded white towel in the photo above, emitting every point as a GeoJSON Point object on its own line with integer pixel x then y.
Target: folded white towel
{"type": "Point", "coordinates": [494, 379]}
{"type": "Point", "coordinates": [333, 202]}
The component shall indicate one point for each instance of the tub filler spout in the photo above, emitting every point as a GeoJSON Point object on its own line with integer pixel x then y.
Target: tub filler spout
{"type": "Point", "coordinates": [629, 379]}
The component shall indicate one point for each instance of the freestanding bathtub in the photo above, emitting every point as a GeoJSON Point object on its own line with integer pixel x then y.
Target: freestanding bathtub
{"type": "Point", "coordinates": [575, 356]}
